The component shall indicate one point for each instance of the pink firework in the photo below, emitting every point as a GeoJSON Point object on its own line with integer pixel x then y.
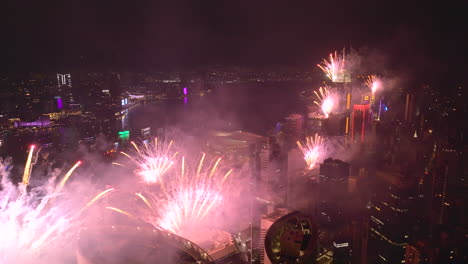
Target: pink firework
{"type": "Point", "coordinates": [374, 83]}
{"type": "Point", "coordinates": [325, 100]}
{"type": "Point", "coordinates": [185, 199]}
{"type": "Point", "coordinates": [312, 149]}
{"type": "Point", "coordinates": [334, 67]}
{"type": "Point", "coordinates": [152, 159]}
{"type": "Point", "coordinates": [37, 223]}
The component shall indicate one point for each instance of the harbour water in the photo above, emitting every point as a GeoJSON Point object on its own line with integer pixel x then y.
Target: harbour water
{"type": "Point", "coordinates": [253, 107]}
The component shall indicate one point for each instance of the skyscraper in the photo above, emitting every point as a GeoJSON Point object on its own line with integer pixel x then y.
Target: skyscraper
{"type": "Point", "coordinates": [64, 96]}
{"type": "Point", "coordinates": [293, 129]}
{"type": "Point", "coordinates": [114, 86]}
{"type": "Point", "coordinates": [359, 121]}
{"type": "Point", "coordinates": [393, 217]}
{"type": "Point", "coordinates": [332, 213]}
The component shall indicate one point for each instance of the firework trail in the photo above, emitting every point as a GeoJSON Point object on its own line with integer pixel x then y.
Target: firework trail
{"type": "Point", "coordinates": [28, 166]}
{"type": "Point", "coordinates": [374, 83]}
{"type": "Point", "coordinates": [36, 223]}
{"type": "Point", "coordinates": [325, 100]}
{"type": "Point", "coordinates": [185, 198]}
{"type": "Point", "coordinates": [152, 159]}
{"type": "Point", "coordinates": [334, 67]}
{"type": "Point", "coordinates": [312, 149]}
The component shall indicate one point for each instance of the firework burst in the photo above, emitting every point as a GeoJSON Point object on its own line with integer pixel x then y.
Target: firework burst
{"type": "Point", "coordinates": [34, 221]}
{"type": "Point", "coordinates": [185, 198]}
{"type": "Point", "coordinates": [374, 83]}
{"type": "Point", "coordinates": [325, 100]}
{"type": "Point", "coordinates": [334, 67]}
{"type": "Point", "coordinates": [312, 149]}
{"type": "Point", "coordinates": [152, 159]}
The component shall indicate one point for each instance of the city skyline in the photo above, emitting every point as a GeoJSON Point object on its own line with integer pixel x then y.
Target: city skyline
{"type": "Point", "coordinates": [118, 34]}
{"type": "Point", "coordinates": [241, 132]}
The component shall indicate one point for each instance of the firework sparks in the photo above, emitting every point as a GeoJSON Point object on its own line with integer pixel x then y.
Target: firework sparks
{"type": "Point", "coordinates": [152, 159]}
{"type": "Point", "coordinates": [34, 221]}
{"type": "Point", "coordinates": [325, 100]}
{"type": "Point", "coordinates": [66, 177]}
{"type": "Point", "coordinates": [374, 83]}
{"type": "Point", "coordinates": [28, 166]}
{"type": "Point", "coordinates": [96, 198]}
{"type": "Point", "coordinates": [120, 211]}
{"type": "Point", "coordinates": [334, 67]}
{"type": "Point", "coordinates": [312, 149]}
{"type": "Point", "coordinates": [186, 197]}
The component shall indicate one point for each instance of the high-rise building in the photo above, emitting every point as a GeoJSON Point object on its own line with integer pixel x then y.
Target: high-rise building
{"type": "Point", "coordinates": [443, 247]}
{"type": "Point", "coordinates": [333, 125]}
{"type": "Point", "coordinates": [360, 121]}
{"type": "Point", "coordinates": [333, 190]}
{"type": "Point", "coordinates": [64, 80]}
{"type": "Point", "coordinates": [301, 183]}
{"type": "Point", "coordinates": [293, 129]}
{"type": "Point", "coordinates": [332, 209]}
{"type": "Point", "coordinates": [114, 86]}
{"type": "Point", "coordinates": [418, 253]}
{"type": "Point", "coordinates": [265, 167]}
{"type": "Point", "coordinates": [64, 98]}
{"type": "Point", "coordinates": [394, 217]}
{"type": "Point", "coordinates": [333, 178]}
{"type": "Point", "coordinates": [360, 238]}
{"type": "Point", "coordinates": [313, 123]}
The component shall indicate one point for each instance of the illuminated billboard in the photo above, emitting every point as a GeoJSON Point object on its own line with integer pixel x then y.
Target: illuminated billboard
{"type": "Point", "coordinates": [124, 135]}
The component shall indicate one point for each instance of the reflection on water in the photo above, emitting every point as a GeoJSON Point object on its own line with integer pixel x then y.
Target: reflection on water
{"type": "Point", "coordinates": [255, 108]}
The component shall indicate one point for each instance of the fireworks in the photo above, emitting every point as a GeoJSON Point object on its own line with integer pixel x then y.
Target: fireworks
{"type": "Point", "coordinates": [28, 166]}
{"type": "Point", "coordinates": [182, 201]}
{"type": "Point", "coordinates": [325, 100]}
{"type": "Point", "coordinates": [334, 68]}
{"type": "Point", "coordinates": [35, 222]}
{"type": "Point", "coordinates": [374, 83]}
{"type": "Point", "coordinates": [152, 159]}
{"type": "Point", "coordinates": [312, 149]}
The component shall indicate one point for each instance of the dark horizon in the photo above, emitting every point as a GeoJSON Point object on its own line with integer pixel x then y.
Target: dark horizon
{"type": "Point", "coordinates": [185, 34]}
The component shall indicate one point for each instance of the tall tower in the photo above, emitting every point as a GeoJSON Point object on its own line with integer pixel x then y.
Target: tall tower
{"type": "Point", "coordinates": [337, 71]}
{"type": "Point", "coordinates": [113, 83]}
{"type": "Point", "coordinates": [65, 96]}
{"type": "Point", "coordinates": [333, 216]}
{"type": "Point", "coordinates": [333, 177]}
{"type": "Point", "coordinates": [293, 129]}
{"type": "Point", "coordinates": [393, 216]}
{"type": "Point", "coordinates": [265, 170]}
{"type": "Point", "coordinates": [64, 79]}
{"type": "Point", "coordinates": [360, 120]}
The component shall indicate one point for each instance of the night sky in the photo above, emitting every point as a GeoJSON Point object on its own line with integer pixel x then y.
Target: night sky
{"type": "Point", "coordinates": [139, 34]}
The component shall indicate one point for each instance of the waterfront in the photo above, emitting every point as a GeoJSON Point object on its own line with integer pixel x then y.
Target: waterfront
{"type": "Point", "coordinates": [253, 107]}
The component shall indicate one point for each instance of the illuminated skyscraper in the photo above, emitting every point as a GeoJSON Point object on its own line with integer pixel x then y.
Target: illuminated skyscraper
{"type": "Point", "coordinates": [393, 217]}
{"type": "Point", "coordinates": [64, 79]}
{"type": "Point", "coordinates": [64, 98]}
{"type": "Point", "coordinates": [265, 167]}
{"type": "Point", "coordinates": [360, 121]}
